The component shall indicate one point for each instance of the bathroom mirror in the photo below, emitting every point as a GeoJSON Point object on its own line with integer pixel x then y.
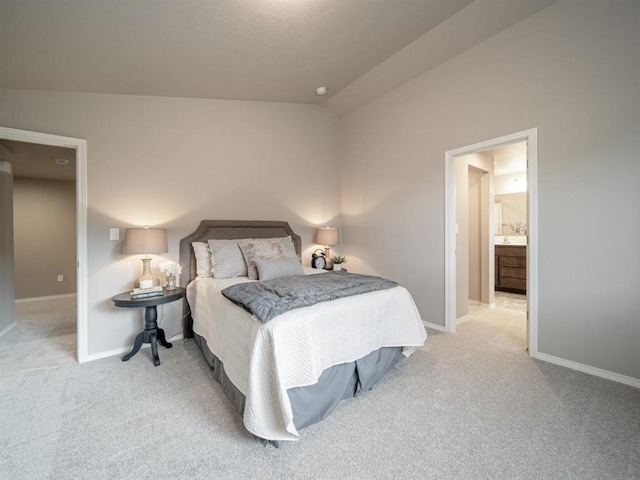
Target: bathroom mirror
{"type": "Point", "coordinates": [511, 214]}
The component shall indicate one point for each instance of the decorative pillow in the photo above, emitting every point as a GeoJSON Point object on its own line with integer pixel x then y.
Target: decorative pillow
{"type": "Point", "coordinates": [226, 259]}
{"type": "Point", "coordinates": [203, 258]}
{"type": "Point", "coordinates": [265, 249]}
{"type": "Point", "coordinates": [281, 267]}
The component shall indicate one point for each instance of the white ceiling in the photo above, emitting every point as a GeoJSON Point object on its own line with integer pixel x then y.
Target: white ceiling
{"type": "Point", "coordinates": [509, 159]}
{"type": "Point", "coordinates": [265, 50]}
{"type": "Point", "coordinates": [270, 50]}
{"type": "Point", "coordinates": [39, 161]}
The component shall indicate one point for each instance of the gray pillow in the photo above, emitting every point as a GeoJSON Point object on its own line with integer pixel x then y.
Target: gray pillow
{"type": "Point", "coordinates": [276, 268]}
{"type": "Point", "coordinates": [226, 259]}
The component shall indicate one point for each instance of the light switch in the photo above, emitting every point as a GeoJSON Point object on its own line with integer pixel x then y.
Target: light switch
{"type": "Point", "coordinates": [61, 278]}
{"type": "Point", "coordinates": [114, 234]}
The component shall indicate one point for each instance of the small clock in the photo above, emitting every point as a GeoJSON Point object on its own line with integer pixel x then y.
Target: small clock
{"type": "Point", "coordinates": [318, 261]}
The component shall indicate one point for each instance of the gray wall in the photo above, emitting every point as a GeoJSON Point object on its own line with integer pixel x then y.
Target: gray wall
{"type": "Point", "coordinates": [44, 214]}
{"type": "Point", "coordinates": [171, 162]}
{"type": "Point", "coordinates": [572, 71]}
{"type": "Point", "coordinates": [7, 304]}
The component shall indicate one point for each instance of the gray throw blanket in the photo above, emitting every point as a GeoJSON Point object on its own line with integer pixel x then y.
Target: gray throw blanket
{"type": "Point", "coordinates": [269, 298]}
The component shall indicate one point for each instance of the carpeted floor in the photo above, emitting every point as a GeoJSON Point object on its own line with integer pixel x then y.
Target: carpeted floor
{"type": "Point", "coordinates": [49, 318]}
{"type": "Point", "coordinates": [470, 405]}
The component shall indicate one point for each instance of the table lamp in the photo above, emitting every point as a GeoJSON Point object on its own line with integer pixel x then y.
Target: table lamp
{"type": "Point", "coordinates": [328, 236]}
{"type": "Point", "coordinates": [147, 241]}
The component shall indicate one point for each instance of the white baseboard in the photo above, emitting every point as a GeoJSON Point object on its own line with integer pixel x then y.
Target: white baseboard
{"type": "Point", "coordinates": [50, 297]}
{"type": "Point", "coordinates": [433, 326]}
{"type": "Point", "coordinates": [477, 303]}
{"type": "Point", "coordinates": [463, 319]}
{"type": "Point", "coordinates": [7, 329]}
{"type": "Point", "coordinates": [120, 351]}
{"type": "Point", "coordinates": [598, 372]}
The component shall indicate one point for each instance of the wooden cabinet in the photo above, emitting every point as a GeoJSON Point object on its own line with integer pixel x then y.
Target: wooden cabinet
{"type": "Point", "coordinates": [511, 268]}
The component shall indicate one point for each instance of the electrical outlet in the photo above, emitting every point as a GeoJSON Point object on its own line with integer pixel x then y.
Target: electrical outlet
{"type": "Point", "coordinates": [61, 278]}
{"type": "Point", "coordinates": [114, 234]}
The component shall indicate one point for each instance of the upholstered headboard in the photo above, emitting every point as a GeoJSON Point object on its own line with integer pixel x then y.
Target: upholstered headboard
{"type": "Point", "coordinates": [226, 229]}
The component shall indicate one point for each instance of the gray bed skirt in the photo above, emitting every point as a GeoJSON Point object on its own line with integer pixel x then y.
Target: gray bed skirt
{"type": "Point", "coordinates": [314, 403]}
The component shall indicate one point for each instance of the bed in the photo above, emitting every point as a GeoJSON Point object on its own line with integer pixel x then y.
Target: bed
{"type": "Point", "coordinates": [294, 370]}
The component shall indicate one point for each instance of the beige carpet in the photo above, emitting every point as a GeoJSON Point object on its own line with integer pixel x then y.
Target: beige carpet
{"type": "Point", "coordinates": [508, 322]}
{"type": "Point", "coordinates": [43, 339]}
{"type": "Point", "coordinates": [466, 406]}
{"type": "Point", "coordinates": [47, 318]}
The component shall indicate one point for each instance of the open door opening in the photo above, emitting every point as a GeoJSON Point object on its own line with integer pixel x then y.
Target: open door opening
{"type": "Point", "coordinates": [478, 230]}
{"type": "Point", "coordinates": [79, 147]}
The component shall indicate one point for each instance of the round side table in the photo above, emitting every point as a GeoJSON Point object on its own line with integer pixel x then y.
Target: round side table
{"type": "Point", "coordinates": [151, 334]}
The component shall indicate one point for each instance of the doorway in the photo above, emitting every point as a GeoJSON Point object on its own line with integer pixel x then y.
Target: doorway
{"type": "Point", "coordinates": [452, 226]}
{"type": "Point", "coordinates": [511, 225]}
{"type": "Point", "coordinates": [79, 146]}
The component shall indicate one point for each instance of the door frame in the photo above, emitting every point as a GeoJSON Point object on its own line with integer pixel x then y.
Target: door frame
{"type": "Point", "coordinates": [80, 147]}
{"type": "Point", "coordinates": [531, 137]}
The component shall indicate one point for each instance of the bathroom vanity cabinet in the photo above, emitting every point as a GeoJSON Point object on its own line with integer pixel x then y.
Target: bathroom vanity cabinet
{"type": "Point", "coordinates": [511, 268]}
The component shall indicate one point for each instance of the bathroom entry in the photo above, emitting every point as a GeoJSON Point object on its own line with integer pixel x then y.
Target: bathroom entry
{"type": "Point", "coordinates": [511, 225]}
{"type": "Point", "coordinates": [491, 212]}
{"type": "Point", "coordinates": [491, 208]}
{"type": "Point", "coordinates": [503, 170]}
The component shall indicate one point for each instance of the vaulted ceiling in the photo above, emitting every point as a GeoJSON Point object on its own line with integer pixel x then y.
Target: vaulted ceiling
{"type": "Point", "coordinates": [265, 50]}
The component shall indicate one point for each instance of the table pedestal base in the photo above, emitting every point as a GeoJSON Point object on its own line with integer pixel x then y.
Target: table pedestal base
{"type": "Point", "coordinates": [151, 334]}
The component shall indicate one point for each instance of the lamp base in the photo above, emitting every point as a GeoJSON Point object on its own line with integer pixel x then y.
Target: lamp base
{"type": "Point", "coordinates": [146, 280]}
{"type": "Point", "coordinates": [145, 283]}
{"type": "Point", "coordinates": [327, 256]}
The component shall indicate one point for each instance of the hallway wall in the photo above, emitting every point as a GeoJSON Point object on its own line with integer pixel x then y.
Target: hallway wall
{"type": "Point", "coordinates": [45, 237]}
{"type": "Point", "coordinates": [7, 304]}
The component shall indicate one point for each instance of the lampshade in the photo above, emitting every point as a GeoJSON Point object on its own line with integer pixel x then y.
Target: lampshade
{"type": "Point", "coordinates": [145, 240]}
{"type": "Point", "coordinates": [328, 236]}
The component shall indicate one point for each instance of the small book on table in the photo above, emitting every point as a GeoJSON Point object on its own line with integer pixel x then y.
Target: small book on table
{"type": "Point", "coordinates": [147, 292]}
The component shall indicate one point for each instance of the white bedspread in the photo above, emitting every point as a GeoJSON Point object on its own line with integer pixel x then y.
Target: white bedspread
{"type": "Point", "coordinates": [264, 360]}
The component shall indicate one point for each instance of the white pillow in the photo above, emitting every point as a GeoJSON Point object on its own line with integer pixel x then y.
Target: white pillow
{"type": "Point", "coordinates": [226, 259]}
{"type": "Point", "coordinates": [276, 268]}
{"type": "Point", "coordinates": [203, 258]}
{"type": "Point", "coordinates": [265, 249]}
